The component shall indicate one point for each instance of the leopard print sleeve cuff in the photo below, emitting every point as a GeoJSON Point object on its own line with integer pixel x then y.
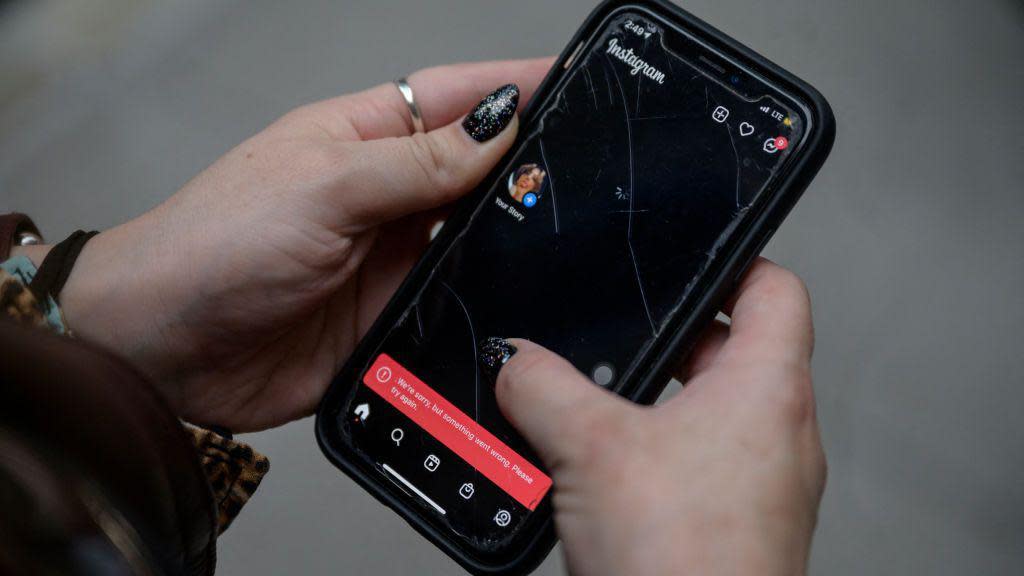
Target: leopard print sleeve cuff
{"type": "Point", "coordinates": [234, 470]}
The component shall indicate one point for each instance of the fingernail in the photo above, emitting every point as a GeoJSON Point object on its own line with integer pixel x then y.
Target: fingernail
{"type": "Point", "coordinates": [495, 353]}
{"type": "Point", "coordinates": [492, 114]}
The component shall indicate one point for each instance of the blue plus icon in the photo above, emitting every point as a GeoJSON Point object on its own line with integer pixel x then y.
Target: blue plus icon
{"type": "Point", "coordinates": [529, 199]}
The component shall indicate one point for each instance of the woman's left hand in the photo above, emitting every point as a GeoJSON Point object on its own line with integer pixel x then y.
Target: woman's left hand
{"type": "Point", "coordinates": [244, 293]}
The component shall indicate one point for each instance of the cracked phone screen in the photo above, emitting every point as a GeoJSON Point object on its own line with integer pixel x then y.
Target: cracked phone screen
{"type": "Point", "coordinates": [638, 170]}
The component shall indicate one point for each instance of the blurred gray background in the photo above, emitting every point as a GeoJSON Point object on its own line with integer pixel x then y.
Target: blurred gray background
{"type": "Point", "coordinates": [910, 238]}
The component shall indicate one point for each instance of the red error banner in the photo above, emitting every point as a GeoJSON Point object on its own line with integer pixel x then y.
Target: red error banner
{"type": "Point", "coordinates": [460, 433]}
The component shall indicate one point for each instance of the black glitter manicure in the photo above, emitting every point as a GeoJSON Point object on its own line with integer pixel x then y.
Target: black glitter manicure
{"type": "Point", "coordinates": [492, 114]}
{"type": "Point", "coordinates": [494, 353]}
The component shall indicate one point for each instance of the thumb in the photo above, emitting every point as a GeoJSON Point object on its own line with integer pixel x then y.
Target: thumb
{"type": "Point", "coordinates": [557, 409]}
{"type": "Point", "coordinates": [392, 177]}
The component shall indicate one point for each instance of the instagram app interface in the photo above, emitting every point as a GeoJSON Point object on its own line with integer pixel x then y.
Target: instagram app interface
{"type": "Point", "coordinates": [631, 182]}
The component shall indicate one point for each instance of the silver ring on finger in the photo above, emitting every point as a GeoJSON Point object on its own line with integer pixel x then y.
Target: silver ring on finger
{"type": "Point", "coordinates": [410, 101]}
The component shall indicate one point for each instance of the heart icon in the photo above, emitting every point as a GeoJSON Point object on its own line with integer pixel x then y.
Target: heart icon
{"type": "Point", "coordinates": [746, 129]}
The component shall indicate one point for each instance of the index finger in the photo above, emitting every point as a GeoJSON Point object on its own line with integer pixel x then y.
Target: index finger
{"type": "Point", "coordinates": [442, 93]}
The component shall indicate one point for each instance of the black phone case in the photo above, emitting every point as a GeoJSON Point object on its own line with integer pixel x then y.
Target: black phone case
{"type": "Point", "coordinates": [648, 379]}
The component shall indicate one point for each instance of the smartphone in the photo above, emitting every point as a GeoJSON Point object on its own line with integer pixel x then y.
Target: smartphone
{"type": "Point", "coordinates": [652, 165]}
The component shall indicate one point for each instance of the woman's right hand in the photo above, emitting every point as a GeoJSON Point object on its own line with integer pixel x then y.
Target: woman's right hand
{"type": "Point", "coordinates": [724, 478]}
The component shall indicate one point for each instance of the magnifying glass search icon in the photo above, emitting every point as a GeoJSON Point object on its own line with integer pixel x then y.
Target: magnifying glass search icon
{"type": "Point", "coordinates": [397, 435]}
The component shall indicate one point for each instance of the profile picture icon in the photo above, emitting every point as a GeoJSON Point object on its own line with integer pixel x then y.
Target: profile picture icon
{"type": "Point", "coordinates": [525, 184]}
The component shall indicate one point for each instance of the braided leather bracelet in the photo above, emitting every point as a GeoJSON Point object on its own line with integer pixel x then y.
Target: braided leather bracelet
{"type": "Point", "coordinates": [56, 267]}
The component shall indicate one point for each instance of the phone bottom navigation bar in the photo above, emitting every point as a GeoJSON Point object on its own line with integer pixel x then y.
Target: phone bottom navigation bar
{"type": "Point", "coordinates": [458, 432]}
